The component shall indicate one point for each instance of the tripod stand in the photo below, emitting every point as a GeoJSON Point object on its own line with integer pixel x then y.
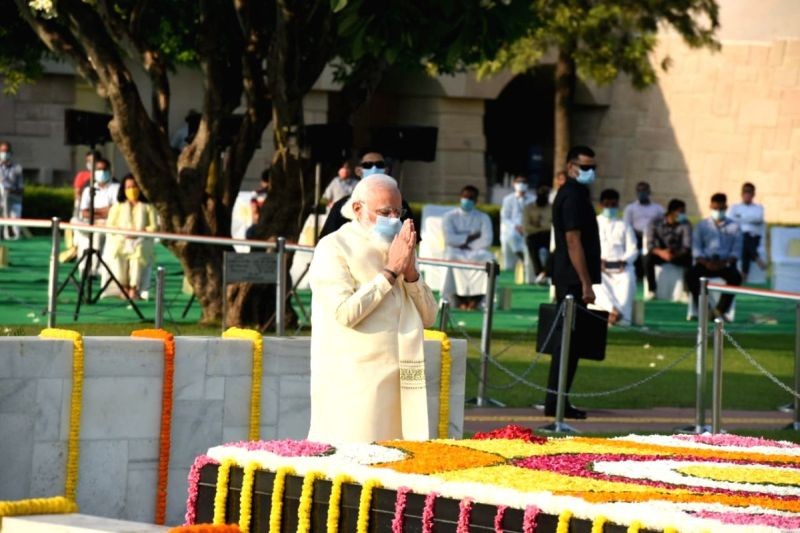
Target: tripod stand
{"type": "Point", "coordinates": [84, 285]}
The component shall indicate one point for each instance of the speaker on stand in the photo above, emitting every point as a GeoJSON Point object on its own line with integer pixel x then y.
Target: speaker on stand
{"type": "Point", "coordinates": [405, 143]}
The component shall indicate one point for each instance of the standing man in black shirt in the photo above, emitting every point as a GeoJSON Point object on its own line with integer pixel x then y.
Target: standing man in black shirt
{"type": "Point", "coordinates": [576, 257]}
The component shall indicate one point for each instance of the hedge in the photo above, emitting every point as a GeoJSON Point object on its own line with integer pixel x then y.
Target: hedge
{"type": "Point", "coordinates": [43, 201]}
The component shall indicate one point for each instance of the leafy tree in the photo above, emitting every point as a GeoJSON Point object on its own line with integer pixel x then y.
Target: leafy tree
{"type": "Point", "coordinates": [600, 39]}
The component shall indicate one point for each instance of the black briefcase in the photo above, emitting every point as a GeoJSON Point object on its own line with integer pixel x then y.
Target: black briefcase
{"type": "Point", "coordinates": [588, 335]}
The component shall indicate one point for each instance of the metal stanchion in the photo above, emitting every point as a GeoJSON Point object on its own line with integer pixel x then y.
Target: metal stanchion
{"type": "Point", "coordinates": [716, 399]}
{"type": "Point", "coordinates": [486, 333]}
{"type": "Point", "coordinates": [52, 287]}
{"type": "Point", "coordinates": [444, 310]}
{"type": "Point", "coordinates": [159, 320]}
{"type": "Point", "coordinates": [559, 426]}
{"type": "Point", "coordinates": [700, 365]}
{"type": "Point", "coordinates": [280, 289]}
{"type": "Point", "coordinates": [795, 425]}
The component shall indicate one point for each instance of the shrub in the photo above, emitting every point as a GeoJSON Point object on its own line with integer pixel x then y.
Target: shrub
{"type": "Point", "coordinates": [42, 201]}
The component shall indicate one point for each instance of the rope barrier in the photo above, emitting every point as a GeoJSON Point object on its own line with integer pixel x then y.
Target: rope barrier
{"type": "Point", "coordinates": [750, 359]}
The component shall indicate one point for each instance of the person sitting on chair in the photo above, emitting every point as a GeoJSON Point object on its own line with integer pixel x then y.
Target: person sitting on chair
{"type": "Point", "coordinates": [716, 247]}
{"type": "Point", "coordinates": [467, 237]}
{"type": "Point", "coordinates": [618, 251]}
{"type": "Point", "coordinates": [669, 240]}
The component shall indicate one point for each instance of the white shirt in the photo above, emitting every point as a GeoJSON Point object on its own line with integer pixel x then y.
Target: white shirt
{"type": "Point", "coordinates": [513, 208]}
{"type": "Point", "coordinates": [103, 197]}
{"type": "Point", "coordinates": [750, 217]}
{"type": "Point", "coordinates": [459, 224]}
{"type": "Point", "coordinates": [639, 215]}
{"type": "Point", "coordinates": [617, 240]}
{"type": "Point", "coordinates": [339, 188]}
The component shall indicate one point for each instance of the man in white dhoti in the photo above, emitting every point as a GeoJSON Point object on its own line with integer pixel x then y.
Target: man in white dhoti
{"type": "Point", "coordinates": [618, 251]}
{"type": "Point", "coordinates": [369, 308]}
{"type": "Point", "coordinates": [467, 237]}
{"type": "Point", "coordinates": [512, 232]}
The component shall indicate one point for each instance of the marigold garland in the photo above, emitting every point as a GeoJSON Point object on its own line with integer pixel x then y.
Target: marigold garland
{"type": "Point", "coordinates": [76, 398]}
{"type": "Point", "coordinates": [334, 502]}
{"type": "Point", "coordinates": [634, 527]}
{"type": "Point", "coordinates": [166, 416]}
{"type": "Point", "coordinates": [306, 499]}
{"type": "Point", "coordinates": [221, 493]}
{"type": "Point", "coordinates": [258, 370]}
{"type": "Point", "coordinates": [276, 508]}
{"type": "Point", "coordinates": [55, 505]}
{"type": "Point", "coordinates": [206, 528]}
{"type": "Point", "coordinates": [364, 502]}
{"type": "Point", "coordinates": [444, 380]}
{"type": "Point", "coordinates": [563, 521]}
{"type": "Point", "coordinates": [246, 496]}
{"type": "Point", "coordinates": [598, 524]}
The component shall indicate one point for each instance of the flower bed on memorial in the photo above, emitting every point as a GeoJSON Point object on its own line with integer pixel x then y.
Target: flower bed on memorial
{"type": "Point", "coordinates": [505, 480]}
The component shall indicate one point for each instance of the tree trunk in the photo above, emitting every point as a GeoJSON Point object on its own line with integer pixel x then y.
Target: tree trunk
{"type": "Point", "coordinates": [564, 83]}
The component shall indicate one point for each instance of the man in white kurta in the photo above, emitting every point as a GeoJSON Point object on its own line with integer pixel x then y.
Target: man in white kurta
{"type": "Point", "coordinates": [467, 237]}
{"type": "Point", "coordinates": [369, 311]}
{"type": "Point", "coordinates": [512, 232]}
{"type": "Point", "coordinates": [618, 251]}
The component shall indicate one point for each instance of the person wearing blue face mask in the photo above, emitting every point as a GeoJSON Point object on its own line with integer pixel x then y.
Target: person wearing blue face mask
{"type": "Point", "coordinates": [716, 248]}
{"type": "Point", "coordinates": [467, 237]}
{"type": "Point", "coordinates": [669, 240]}
{"type": "Point", "coordinates": [512, 229]}
{"type": "Point", "coordinates": [576, 259]}
{"type": "Point", "coordinates": [617, 252]}
{"type": "Point", "coordinates": [95, 210]}
{"type": "Point", "coordinates": [369, 310]}
{"type": "Point", "coordinates": [11, 186]}
{"type": "Point", "coordinates": [639, 214]}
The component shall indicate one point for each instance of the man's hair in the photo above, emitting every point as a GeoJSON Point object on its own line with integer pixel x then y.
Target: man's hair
{"type": "Point", "coordinates": [101, 160]}
{"type": "Point", "coordinates": [719, 198]}
{"type": "Point", "coordinates": [643, 184]}
{"type": "Point", "coordinates": [748, 185]}
{"type": "Point", "coordinates": [362, 189]}
{"type": "Point", "coordinates": [579, 150]}
{"type": "Point", "coordinates": [675, 204]}
{"type": "Point", "coordinates": [520, 179]}
{"type": "Point", "coordinates": [609, 194]}
{"type": "Point", "coordinates": [265, 174]}
{"type": "Point", "coordinates": [8, 144]}
{"type": "Point", "coordinates": [94, 153]}
{"type": "Point", "coordinates": [471, 189]}
{"type": "Point", "coordinates": [369, 150]}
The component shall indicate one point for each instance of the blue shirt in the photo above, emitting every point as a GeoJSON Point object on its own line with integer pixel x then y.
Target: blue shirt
{"type": "Point", "coordinates": [723, 241]}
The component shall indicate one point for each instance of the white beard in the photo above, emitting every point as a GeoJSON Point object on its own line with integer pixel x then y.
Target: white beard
{"type": "Point", "coordinates": [377, 242]}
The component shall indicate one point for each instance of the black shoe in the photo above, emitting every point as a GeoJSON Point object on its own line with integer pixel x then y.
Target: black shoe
{"type": "Point", "coordinates": [570, 412]}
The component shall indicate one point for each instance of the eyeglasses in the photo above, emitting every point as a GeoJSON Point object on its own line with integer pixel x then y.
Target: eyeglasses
{"type": "Point", "coordinates": [389, 211]}
{"type": "Point", "coordinates": [584, 167]}
{"type": "Point", "coordinates": [370, 164]}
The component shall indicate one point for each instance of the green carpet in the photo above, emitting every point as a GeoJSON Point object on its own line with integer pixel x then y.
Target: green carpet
{"type": "Point", "coordinates": [23, 297]}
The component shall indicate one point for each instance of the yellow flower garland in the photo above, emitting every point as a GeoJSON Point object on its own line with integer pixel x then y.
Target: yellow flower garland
{"type": "Point", "coordinates": [335, 501]}
{"type": "Point", "coordinates": [563, 521]}
{"type": "Point", "coordinates": [221, 494]}
{"type": "Point", "coordinates": [76, 398]}
{"type": "Point", "coordinates": [246, 496]}
{"type": "Point", "coordinates": [444, 380]}
{"type": "Point", "coordinates": [277, 498]}
{"type": "Point", "coordinates": [55, 505]}
{"type": "Point", "coordinates": [598, 524]}
{"type": "Point", "coordinates": [255, 389]}
{"type": "Point", "coordinates": [304, 508]}
{"type": "Point", "coordinates": [635, 527]}
{"type": "Point", "coordinates": [364, 503]}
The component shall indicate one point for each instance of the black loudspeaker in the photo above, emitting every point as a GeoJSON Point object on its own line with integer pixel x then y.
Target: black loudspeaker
{"type": "Point", "coordinates": [86, 128]}
{"type": "Point", "coordinates": [588, 338]}
{"type": "Point", "coordinates": [328, 143]}
{"type": "Point", "coordinates": [406, 143]}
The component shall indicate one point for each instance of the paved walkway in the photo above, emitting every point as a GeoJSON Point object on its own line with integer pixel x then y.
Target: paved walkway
{"type": "Point", "coordinates": [661, 419]}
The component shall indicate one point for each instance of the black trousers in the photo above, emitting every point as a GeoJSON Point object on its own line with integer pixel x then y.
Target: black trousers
{"type": "Point", "coordinates": [729, 274]}
{"type": "Point", "coordinates": [535, 242]}
{"type": "Point", "coordinates": [555, 361]}
{"type": "Point", "coordinates": [651, 260]}
{"type": "Point", "coordinates": [750, 244]}
{"type": "Point", "coordinates": [638, 264]}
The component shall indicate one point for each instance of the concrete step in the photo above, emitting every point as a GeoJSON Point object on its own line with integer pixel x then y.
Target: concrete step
{"type": "Point", "coordinates": [74, 523]}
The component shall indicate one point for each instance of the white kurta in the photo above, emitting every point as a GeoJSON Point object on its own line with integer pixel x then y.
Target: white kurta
{"type": "Point", "coordinates": [457, 225]}
{"type": "Point", "coordinates": [618, 288]}
{"type": "Point", "coordinates": [512, 242]}
{"type": "Point", "coordinates": [367, 365]}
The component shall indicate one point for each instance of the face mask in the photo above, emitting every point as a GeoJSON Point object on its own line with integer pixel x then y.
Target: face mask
{"type": "Point", "coordinates": [89, 167]}
{"type": "Point", "coordinates": [610, 212]}
{"type": "Point", "coordinates": [586, 177]}
{"type": "Point", "coordinates": [467, 204]}
{"type": "Point", "coordinates": [387, 227]}
{"type": "Point", "coordinates": [370, 171]}
{"type": "Point", "coordinates": [5, 156]}
{"type": "Point", "coordinates": [644, 197]}
{"type": "Point", "coordinates": [102, 176]}
{"type": "Point", "coordinates": [682, 218]}
{"type": "Point", "coordinates": [132, 194]}
{"type": "Point", "coordinates": [520, 187]}
{"type": "Point", "coordinates": [718, 214]}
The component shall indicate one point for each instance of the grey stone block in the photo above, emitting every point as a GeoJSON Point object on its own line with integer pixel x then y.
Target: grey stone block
{"type": "Point", "coordinates": [103, 477]}
{"type": "Point", "coordinates": [177, 494]}
{"type": "Point", "coordinates": [234, 433]}
{"type": "Point", "coordinates": [295, 407]}
{"type": "Point", "coordinates": [140, 501]}
{"type": "Point", "coordinates": [17, 396]}
{"type": "Point", "coordinates": [237, 401]}
{"type": "Point", "coordinates": [190, 372]}
{"type": "Point", "coordinates": [121, 356]}
{"type": "Point", "coordinates": [43, 358]}
{"type": "Point", "coordinates": [285, 356]}
{"type": "Point", "coordinates": [270, 399]}
{"type": "Point", "coordinates": [143, 449]}
{"type": "Point", "coordinates": [229, 357]}
{"type": "Point", "coordinates": [17, 454]}
{"type": "Point", "coordinates": [121, 408]}
{"type": "Point", "coordinates": [214, 389]}
{"type": "Point", "coordinates": [197, 426]}
{"type": "Point", "coordinates": [48, 409]}
{"type": "Point", "coordinates": [49, 469]}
